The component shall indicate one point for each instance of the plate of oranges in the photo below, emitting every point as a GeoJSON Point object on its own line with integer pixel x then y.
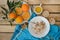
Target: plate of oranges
{"type": "Point", "coordinates": [21, 14]}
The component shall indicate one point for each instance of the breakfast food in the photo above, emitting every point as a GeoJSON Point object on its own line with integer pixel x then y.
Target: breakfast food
{"type": "Point", "coordinates": [24, 25]}
{"type": "Point", "coordinates": [12, 15]}
{"type": "Point", "coordinates": [26, 15]}
{"type": "Point", "coordinates": [25, 7]}
{"type": "Point", "coordinates": [52, 20]}
{"type": "Point", "coordinates": [23, 13]}
{"type": "Point", "coordinates": [45, 14]}
{"type": "Point", "coordinates": [38, 27]}
{"type": "Point", "coordinates": [19, 13]}
{"type": "Point", "coordinates": [18, 10]}
{"type": "Point", "coordinates": [38, 9]}
{"type": "Point", "coordinates": [19, 20]}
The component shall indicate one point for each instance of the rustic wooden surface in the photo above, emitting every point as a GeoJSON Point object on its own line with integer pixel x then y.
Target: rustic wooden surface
{"type": "Point", "coordinates": [53, 6]}
{"type": "Point", "coordinates": [5, 36]}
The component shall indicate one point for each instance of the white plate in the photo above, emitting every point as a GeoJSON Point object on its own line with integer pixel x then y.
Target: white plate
{"type": "Point", "coordinates": [39, 19]}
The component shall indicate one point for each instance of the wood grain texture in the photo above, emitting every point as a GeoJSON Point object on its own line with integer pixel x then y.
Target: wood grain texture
{"type": "Point", "coordinates": [53, 6]}
{"type": "Point", "coordinates": [58, 23]}
{"type": "Point", "coordinates": [50, 1]}
{"type": "Point", "coordinates": [5, 36]}
{"type": "Point", "coordinates": [44, 1]}
{"type": "Point", "coordinates": [7, 28]}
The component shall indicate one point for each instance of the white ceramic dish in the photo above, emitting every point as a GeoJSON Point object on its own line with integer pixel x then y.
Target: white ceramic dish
{"type": "Point", "coordinates": [39, 19]}
{"type": "Point", "coordinates": [35, 8]}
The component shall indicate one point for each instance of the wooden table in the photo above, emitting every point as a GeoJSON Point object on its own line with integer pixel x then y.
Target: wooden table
{"type": "Point", "coordinates": [53, 6]}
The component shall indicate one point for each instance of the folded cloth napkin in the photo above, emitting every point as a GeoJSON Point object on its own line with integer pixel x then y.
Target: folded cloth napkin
{"type": "Point", "coordinates": [52, 33]}
{"type": "Point", "coordinates": [57, 36]}
{"type": "Point", "coordinates": [17, 29]}
{"type": "Point", "coordinates": [53, 30]}
{"type": "Point", "coordinates": [58, 28]}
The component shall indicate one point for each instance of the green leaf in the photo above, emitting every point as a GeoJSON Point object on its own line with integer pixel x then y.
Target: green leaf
{"type": "Point", "coordinates": [18, 3]}
{"type": "Point", "coordinates": [4, 17]}
{"type": "Point", "coordinates": [8, 3]}
{"type": "Point", "coordinates": [6, 12]}
{"type": "Point", "coordinates": [5, 9]}
{"type": "Point", "coordinates": [13, 4]}
{"type": "Point", "coordinates": [10, 23]}
{"type": "Point", "coordinates": [3, 13]}
{"type": "Point", "coordinates": [13, 20]}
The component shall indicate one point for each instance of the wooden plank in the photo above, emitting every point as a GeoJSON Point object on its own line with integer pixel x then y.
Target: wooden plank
{"type": "Point", "coordinates": [51, 8]}
{"type": "Point", "coordinates": [7, 28]}
{"type": "Point", "coordinates": [50, 1]}
{"type": "Point", "coordinates": [58, 23]}
{"type": "Point", "coordinates": [54, 15]}
{"type": "Point", "coordinates": [3, 2]}
{"type": "Point", "coordinates": [43, 1]}
{"type": "Point", "coordinates": [5, 36]}
{"type": "Point", "coordinates": [6, 22]}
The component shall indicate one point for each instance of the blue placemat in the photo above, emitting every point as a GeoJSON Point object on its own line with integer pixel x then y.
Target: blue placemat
{"type": "Point", "coordinates": [54, 33]}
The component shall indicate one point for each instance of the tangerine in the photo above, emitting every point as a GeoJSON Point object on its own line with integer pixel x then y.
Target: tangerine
{"type": "Point", "coordinates": [12, 15]}
{"type": "Point", "coordinates": [26, 15]}
{"type": "Point", "coordinates": [18, 10]}
{"type": "Point", "coordinates": [25, 7]}
{"type": "Point", "coordinates": [19, 19]}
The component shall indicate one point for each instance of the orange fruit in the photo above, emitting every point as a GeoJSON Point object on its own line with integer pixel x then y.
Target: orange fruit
{"type": "Point", "coordinates": [26, 15]}
{"type": "Point", "coordinates": [19, 19]}
{"type": "Point", "coordinates": [25, 7]}
{"type": "Point", "coordinates": [12, 15]}
{"type": "Point", "coordinates": [18, 10]}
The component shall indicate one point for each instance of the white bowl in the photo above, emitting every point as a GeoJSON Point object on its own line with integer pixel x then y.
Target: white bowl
{"type": "Point", "coordinates": [35, 8]}
{"type": "Point", "coordinates": [39, 19]}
